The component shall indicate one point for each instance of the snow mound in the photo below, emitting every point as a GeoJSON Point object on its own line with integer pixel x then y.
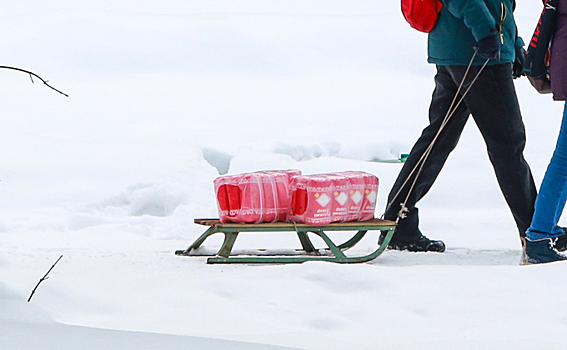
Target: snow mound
{"type": "Point", "coordinates": [25, 326]}
{"type": "Point", "coordinates": [154, 199]}
{"type": "Point", "coordinates": [218, 159]}
{"type": "Point", "coordinates": [14, 309]}
{"type": "Point", "coordinates": [162, 207]}
{"type": "Point", "coordinates": [7, 293]}
{"type": "Point", "coordinates": [369, 152]}
{"type": "Point", "coordinates": [62, 337]}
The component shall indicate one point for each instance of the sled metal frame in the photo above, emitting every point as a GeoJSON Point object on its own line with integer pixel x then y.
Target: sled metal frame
{"type": "Point", "coordinates": [333, 252]}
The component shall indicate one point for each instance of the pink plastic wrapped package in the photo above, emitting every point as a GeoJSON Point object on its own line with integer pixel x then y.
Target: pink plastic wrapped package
{"type": "Point", "coordinates": [340, 203]}
{"type": "Point", "coordinates": [254, 197]}
{"type": "Point", "coordinates": [311, 199]}
{"type": "Point", "coordinates": [362, 195]}
{"type": "Point", "coordinates": [338, 197]}
{"type": "Point", "coordinates": [356, 195]}
{"type": "Point", "coordinates": [370, 196]}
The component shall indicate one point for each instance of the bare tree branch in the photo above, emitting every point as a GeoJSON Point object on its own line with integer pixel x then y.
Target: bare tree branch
{"type": "Point", "coordinates": [43, 279]}
{"type": "Point", "coordinates": [34, 75]}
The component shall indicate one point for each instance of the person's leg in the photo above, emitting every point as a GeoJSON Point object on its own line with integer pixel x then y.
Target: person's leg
{"type": "Point", "coordinates": [445, 90]}
{"type": "Point", "coordinates": [494, 106]}
{"type": "Point", "coordinates": [553, 192]}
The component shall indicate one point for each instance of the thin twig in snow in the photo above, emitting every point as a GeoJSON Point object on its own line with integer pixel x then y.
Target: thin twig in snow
{"type": "Point", "coordinates": [43, 279]}
{"type": "Point", "coordinates": [34, 75]}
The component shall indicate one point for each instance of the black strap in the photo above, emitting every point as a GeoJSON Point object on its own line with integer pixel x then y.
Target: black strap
{"type": "Point", "coordinates": [537, 54]}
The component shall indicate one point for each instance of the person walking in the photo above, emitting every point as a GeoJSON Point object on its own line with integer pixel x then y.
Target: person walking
{"type": "Point", "coordinates": [542, 235]}
{"type": "Point", "coordinates": [474, 44]}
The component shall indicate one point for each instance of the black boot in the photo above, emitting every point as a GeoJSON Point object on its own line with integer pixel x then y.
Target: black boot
{"type": "Point", "coordinates": [561, 242]}
{"type": "Point", "coordinates": [541, 251]}
{"type": "Point", "coordinates": [421, 244]}
{"type": "Point", "coordinates": [409, 237]}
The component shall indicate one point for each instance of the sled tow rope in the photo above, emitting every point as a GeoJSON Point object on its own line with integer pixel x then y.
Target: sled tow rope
{"type": "Point", "coordinates": [402, 214]}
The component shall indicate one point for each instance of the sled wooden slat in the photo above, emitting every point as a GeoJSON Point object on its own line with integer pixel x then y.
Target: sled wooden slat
{"type": "Point", "coordinates": [333, 252]}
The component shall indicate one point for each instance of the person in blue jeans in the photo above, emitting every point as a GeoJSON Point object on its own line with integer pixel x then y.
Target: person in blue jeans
{"type": "Point", "coordinates": [543, 232]}
{"type": "Point", "coordinates": [550, 202]}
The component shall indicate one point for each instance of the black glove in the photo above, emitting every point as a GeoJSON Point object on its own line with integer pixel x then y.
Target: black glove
{"type": "Point", "coordinates": [518, 67]}
{"type": "Point", "coordinates": [489, 47]}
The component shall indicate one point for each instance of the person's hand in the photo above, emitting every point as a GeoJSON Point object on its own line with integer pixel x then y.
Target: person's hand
{"type": "Point", "coordinates": [489, 47]}
{"type": "Point", "coordinates": [542, 85]}
{"type": "Point", "coordinates": [518, 66]}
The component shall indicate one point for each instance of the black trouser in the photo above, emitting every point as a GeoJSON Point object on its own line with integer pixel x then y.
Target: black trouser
{"type": "Point", "coordinates": [494, 106]}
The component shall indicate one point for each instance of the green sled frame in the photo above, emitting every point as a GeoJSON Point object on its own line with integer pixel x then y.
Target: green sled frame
{"type": "Point", "coordinates": [333, 252]}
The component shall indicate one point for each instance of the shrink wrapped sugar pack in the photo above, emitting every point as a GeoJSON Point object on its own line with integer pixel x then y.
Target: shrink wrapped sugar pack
{"type": "Point", "coordinates": [340, 203]}
{"type": "Point", "coordinates": [362, 195]}
{"type": "Point", "coordinates": [338, 197]}
{"type": "Point", "coordinates": [254, 197]}
{"type": "Point", "coordinates": [370, 196]}
{"type": "Point", "coordinates": [311, 199]}
{"type": "Point", "coordinates": [356, 194]}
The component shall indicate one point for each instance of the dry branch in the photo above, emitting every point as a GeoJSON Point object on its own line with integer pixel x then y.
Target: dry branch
{"type": "Point", "coordinates": [34, 75]}
{"type": "Point", "coordinates": [43, 279]}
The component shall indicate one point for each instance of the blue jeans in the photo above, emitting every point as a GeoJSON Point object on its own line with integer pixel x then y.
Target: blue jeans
{"type": "Point", "coordinates": [553, 192]}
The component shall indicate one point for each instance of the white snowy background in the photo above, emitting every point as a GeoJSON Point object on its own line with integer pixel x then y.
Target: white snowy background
{"type": "Point", "coordinates": [166, 94]}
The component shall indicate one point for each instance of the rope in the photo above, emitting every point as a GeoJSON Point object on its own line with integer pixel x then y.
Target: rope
{"type": "Point", "coordinates": [421, 162]}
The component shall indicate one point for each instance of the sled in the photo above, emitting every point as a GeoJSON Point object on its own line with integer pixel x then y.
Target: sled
{"type": "Point", "coordinates": [332, 253]}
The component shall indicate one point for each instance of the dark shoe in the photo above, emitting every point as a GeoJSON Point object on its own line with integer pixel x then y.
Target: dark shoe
{"type": "Point", "coordinates": [541, 251]}
{"type": "Point", "coordinates": [561, 242]}
{"type": "Point", "coordinates": [422, 244]}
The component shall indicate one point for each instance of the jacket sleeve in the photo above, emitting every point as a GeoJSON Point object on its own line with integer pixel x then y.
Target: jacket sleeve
{"type": "Point", "coordinates": [519, 42]}
{"type": "Point", "coordinates": [475, 15]}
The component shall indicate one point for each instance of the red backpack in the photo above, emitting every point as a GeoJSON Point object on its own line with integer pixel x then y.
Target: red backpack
{"type": "Point", "coordinates": [421, 14]}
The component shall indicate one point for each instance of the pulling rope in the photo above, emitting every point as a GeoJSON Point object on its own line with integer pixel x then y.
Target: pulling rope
{"type": "Point", "coordinates": [402, 214]}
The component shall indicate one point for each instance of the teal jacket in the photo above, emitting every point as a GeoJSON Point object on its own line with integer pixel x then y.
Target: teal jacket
{"type": "Point", "coordinates": [462, 23]}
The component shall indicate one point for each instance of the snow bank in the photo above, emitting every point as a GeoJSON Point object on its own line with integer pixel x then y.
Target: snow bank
{"type": "Point", "coordinates": [13, 309]}
{"type": "Point", "coordinates": [26, 326]}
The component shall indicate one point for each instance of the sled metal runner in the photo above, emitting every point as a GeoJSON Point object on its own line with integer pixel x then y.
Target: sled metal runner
{"type": "Point", "coordinates": [333, 252]}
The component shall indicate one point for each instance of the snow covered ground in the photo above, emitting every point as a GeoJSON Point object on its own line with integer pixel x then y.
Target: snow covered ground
{"type": "Point", "coordinates": [166, 95]}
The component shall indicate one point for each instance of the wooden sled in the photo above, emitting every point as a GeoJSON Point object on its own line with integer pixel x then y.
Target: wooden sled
{"type": "Point", "coordinates": [333, 252]}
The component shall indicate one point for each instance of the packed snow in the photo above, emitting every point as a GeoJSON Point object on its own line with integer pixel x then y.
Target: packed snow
{"type": "Point", "coordinates": [165, 96]}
